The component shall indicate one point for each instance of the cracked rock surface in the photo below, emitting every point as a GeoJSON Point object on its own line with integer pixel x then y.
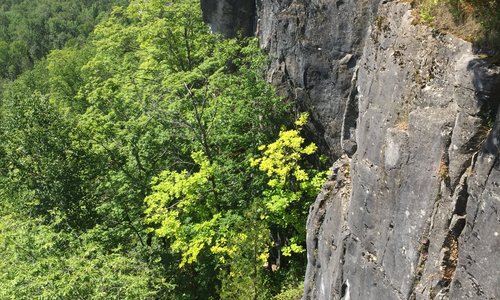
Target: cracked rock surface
{"type": "Point", "coordinates": [230, 17]}
{"type": "Point", "coordinates": [422, 219]}
{"type": "Point", "coordinates": [314, 46]}
{"type": "Point", "coordinates": [411, 208]}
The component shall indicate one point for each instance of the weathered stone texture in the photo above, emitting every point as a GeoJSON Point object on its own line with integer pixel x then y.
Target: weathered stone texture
{"type": "Point", "coordinates": [314, 46]}
{"type": "Point", "coordinates": [477, 274]}
{"type": "Point", "coordinates": [411, 208]}
{"type": "Point", "coordinates": [230, 17]}
{"type": "Point", "coordinates": [422, 169]}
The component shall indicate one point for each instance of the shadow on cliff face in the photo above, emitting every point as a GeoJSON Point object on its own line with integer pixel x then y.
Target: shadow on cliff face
{"type": "Point", "coordinates": [486, 81]}
{"type": "Point", "coordinates": [230, 17]}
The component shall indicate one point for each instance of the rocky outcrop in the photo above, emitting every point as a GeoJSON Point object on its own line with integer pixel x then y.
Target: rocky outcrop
{"type": "Point", "coordinates": [410, 113]}
{"type": "Point", "coordinates": [478, 265]}
{"type": "Point", "coordinates": [422, 219]}
{"type": "Point", "coordinates": [314, 46]}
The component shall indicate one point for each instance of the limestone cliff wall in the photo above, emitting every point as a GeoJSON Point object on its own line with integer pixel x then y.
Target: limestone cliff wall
{"type": "Point", "coordinates": [230, 17]}
{"type": "Point", "coordinates": [314, 46]}
{"type": "Point", "coordinates": [418, 216]}
{"type": "Point", "coordinates": [410, 114]}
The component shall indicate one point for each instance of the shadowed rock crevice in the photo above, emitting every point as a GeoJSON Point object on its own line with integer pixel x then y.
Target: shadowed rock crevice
{"type": "Point", "coordinates": [230, 17]}
{"type": "Point", "coordinates": [350, 118]}
{"type": "Point", "coordinates": [448, 265]}
{"type": "Point", "coordinates": [423, 252]}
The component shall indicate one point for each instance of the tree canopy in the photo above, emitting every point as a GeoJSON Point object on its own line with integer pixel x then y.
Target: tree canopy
{"type": "Point", "coordinates": [30, 29]}
{"type": "Point", "coordinates": [150, 160]}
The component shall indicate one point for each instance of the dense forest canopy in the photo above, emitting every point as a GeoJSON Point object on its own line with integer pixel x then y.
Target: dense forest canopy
{"type": "Point", "coordinates": [144, 157]}
{"type": "Point", "coordinates": [30, 29]}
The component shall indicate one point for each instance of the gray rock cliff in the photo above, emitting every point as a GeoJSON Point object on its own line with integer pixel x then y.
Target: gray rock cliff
{"type": "Point", "coordinates": [421, 220]}
{"type": "Point", "coordinates": [314, 46]}
{"type": "Point", "coordinates": [411, 208]}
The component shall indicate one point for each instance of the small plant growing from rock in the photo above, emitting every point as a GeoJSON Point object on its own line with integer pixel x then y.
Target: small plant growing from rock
{"type": "Point", "coordinates": [477, 21]}
{"type": "Point", "coordinates": [443, 170]}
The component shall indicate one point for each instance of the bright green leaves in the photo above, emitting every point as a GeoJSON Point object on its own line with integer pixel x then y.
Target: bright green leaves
{"type": "Point", "coordinates": [292, 186]}
{"type": "Point", "coordinates": [166, 97]}
{"type": "Point", "coordinates": [171, 35]}
{"type": "Point", "coordinates": [280, 157]}
{"type": "Point", "coordinates": [134, 150]}
{"type": "Point", "coordinates": [185, 207]}
{"type": "Point", "coordinates": [177, 201]}
{"type": "Point", "coordinates": [39, 262]}
{"type": "Point", "coordinates": [281, 161]}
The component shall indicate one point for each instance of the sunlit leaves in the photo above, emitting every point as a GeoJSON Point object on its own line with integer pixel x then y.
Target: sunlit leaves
{"type": "Point", "coordinates": [178, 192]}
{"type": "Point", "coordinates": [40, 262]}
{"type": "Point", "coordinates": [280, 159]}
{"type": "Point", "coordinates": [134, 152]}
{"type": "Point", "coordinates": [291, 185]}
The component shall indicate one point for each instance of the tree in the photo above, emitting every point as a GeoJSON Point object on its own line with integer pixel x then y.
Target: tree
{"type": "Point", "coordinates": [134, 149]}
{"type": "Point", "coordinates": [30, 29]}
{"type": "Point", "coordinates": [291, 188]}
{"type": "Point", "coordinates": [39, 261]}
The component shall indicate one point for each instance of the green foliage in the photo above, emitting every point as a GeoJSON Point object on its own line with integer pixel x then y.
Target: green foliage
{"type": "Point", "coordinates": [37, 154]}
{"type": "Point", "coordinates": [41, 263]}
{"type": "Point", "coordinates": [128, 159]}
{"type": "Point", "coordinates": [246, 275]}
{"type": "Point", "coordinates": [290, 184]}
{"type": "Point", "coordinates": [30, 29]}
{"type": "Point", "coordinates": [180, 193]}
{"type": "Point", "coordinates": [477, 21]}
{"type": "Point", "coordinates": [185, 206]}
{"type": "Point", "coordinates": [425, 11]}
{"type": "Point", "coordinates": [291, 292]}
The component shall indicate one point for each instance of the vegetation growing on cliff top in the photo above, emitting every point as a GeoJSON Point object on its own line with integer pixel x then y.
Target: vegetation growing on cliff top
{"type": "Point", "coordinates": [476, 21]}
{"type": "Point", "coordinates": [130, 165]}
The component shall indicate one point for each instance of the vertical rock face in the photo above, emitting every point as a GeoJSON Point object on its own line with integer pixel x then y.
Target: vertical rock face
{"type": "Point", "coordinates": [314, 46]}
{"type": "Point", "coordinates": [422, 219]}
{"type": "Point", "coordinates": [411, 208]}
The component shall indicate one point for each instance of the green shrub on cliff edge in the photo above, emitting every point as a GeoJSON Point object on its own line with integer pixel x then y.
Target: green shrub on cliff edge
{"type": "Point", "coordinates": [477, 21]}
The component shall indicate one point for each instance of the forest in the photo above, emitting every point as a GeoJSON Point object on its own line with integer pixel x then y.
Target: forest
{"type": "Point", "coordinates": [145, 157]}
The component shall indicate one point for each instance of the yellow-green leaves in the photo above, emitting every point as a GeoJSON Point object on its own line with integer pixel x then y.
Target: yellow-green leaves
{"type": "Point", "coordinates": [288, 250]}
{"type": "Point", "coordinates": [177, 209]}
{"type": "Point", "coordinates": [280, 159]}
{"type": "Point", "coordinates": [108, 138]}
{"type": "Point", "coordinates": [302, 120]}
{"type": "Point", "coordinates": [292, 185]}
{"type": "Point", "coordinates": [176, 194]}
